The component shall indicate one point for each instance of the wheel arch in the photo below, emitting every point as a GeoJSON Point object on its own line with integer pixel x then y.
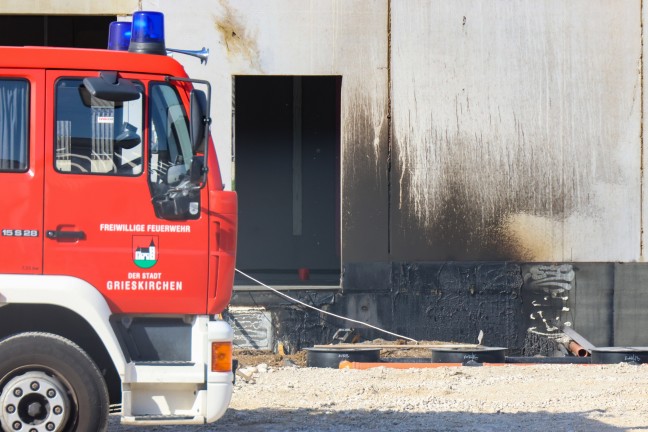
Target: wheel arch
{"type": "Point", "coordinates": [65, 323]}
{"type": "Point", "coordinates": [67, 307]}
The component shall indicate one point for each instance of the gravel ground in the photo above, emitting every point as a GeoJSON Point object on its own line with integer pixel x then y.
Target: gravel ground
{"type": "Point", "coordinates": [503, 398]}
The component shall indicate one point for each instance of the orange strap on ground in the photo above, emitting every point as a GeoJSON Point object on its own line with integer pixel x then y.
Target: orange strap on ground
{"type": "Point", "coordinates": [359, 365]}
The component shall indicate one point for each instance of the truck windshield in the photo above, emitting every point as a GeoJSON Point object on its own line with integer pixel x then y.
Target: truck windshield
{"type": "Point", "coordinates": [96, 136]}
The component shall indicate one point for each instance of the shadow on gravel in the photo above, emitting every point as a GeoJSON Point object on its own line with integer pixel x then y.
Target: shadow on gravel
{"type": "Point", "coordinates": [316, 420]}
{"type": "Point", "coordinates": [274, 420]}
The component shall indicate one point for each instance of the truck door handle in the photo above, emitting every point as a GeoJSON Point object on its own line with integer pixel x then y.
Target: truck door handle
{"type": "Point", "coordinates": [66, 235]}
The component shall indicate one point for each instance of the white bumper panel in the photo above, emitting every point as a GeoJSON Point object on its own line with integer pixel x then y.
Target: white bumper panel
{"type": "Point", "coordinates": [180, 393]}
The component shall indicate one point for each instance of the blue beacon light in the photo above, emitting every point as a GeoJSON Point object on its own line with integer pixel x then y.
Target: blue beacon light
{"type": "Point", "coordinates": [148, 33]}
{"type": "Point", "coordinates": [119, 35]}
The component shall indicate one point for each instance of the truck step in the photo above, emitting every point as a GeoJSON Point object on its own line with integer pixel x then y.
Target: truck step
{"type": "Point", "coordinates": [161, 418]}
{"type": "Point", "coordinates": [164, 372]}
{"type": "Point", "coordinates": [143, 420]}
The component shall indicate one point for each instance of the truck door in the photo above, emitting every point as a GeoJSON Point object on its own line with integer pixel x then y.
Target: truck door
{"type": "Point", "coordinates": [21, 170]}
{"type": "Point", "coordinates": [105, 163]}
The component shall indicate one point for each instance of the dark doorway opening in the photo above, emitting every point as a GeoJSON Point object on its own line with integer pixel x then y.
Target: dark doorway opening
{"type": "Point", "coordinates": [80, 31]}
{"type": "Point", "coordinates": [287, 175]}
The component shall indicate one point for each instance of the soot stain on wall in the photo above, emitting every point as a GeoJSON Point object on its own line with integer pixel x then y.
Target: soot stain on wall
{"type": "Point", "coordinates": [464, 212]}
{"type": "Point", "coordinates": [236, 37]}
{"type": "Point", "coordinates": [364, 180]}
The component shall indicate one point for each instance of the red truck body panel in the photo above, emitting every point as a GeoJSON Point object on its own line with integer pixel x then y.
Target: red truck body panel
{"type": "Point", "coordinates": [191, 265]}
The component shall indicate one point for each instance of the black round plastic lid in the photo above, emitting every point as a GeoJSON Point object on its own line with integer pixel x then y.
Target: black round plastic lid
{"type": "Point", "coordinates": [331, 357]}
{"type": "Point", "coordinates": [480, 354]}
{"type": "Point", "coordinates": [610, 355]}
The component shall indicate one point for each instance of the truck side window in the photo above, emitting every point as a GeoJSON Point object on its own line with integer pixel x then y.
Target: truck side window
{"type": "Point", "coordinates": [14, 125]}
{"type": "Point", "coordinates": [96, 136]}
{"type": "Point", "coordinates": [170, 146]}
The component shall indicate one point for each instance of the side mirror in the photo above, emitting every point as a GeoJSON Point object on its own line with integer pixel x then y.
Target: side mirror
{"type": "Point", "coordinates": [198, 124]}
{"type": "Point", "coordinates": [175, 173]}
{"type": "Point", "coordinates": [108, 86]}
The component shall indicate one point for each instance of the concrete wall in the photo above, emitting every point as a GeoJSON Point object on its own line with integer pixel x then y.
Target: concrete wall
{"type": "Point", "coordinates": [516, 130]}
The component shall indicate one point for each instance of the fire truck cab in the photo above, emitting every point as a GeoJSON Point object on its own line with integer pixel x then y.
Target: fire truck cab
{"type": "Point", "coordinates": [117, 243]}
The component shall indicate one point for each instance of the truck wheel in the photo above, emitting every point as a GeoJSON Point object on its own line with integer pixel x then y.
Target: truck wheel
{"type": "Point", "coordinates": [48, 383]}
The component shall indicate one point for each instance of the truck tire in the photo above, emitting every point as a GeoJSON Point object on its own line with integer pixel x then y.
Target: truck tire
{"type": "Point", "coordinates": [48, 383]}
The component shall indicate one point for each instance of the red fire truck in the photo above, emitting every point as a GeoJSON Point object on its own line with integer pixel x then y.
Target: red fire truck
{"type": "Point", "coordinates": [117, 241]}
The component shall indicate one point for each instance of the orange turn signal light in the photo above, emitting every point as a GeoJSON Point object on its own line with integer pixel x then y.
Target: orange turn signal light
{"type": "Point", "coordinates": [221, 358]}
